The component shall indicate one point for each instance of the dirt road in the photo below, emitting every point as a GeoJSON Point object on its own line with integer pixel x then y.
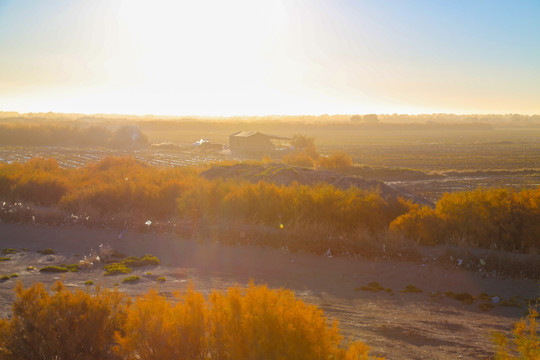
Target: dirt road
{"type": "Point", "coordinates": [395, 324]}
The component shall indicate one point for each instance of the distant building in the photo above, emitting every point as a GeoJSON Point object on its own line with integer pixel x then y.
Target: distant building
{"type": "Point", "coordinates": [254, 143]}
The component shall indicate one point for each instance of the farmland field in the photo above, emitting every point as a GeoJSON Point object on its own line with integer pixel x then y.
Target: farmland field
{"type": "Point", "coordinates": [444, 161]}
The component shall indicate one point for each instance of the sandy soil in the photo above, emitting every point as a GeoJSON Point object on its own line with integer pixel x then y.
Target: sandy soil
{"type": "Point", "coordinates": [398, 326]}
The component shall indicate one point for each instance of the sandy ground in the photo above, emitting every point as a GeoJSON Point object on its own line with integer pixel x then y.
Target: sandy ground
{"type": "Point", "coordinates": [398, 326]}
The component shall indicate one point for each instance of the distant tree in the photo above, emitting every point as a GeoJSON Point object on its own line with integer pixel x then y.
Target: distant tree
{"type": "Point", "coordinates": [129, 136]}
{"type": "Point", "coordinates": [356, 118]}
{"type": "Point", "coordinates": [370, 119]}
{"type": "Point", "coordinates": [306, 144]}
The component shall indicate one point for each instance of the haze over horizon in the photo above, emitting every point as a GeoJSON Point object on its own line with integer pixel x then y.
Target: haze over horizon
{"type": "Point", "coordinates": [242, 57]}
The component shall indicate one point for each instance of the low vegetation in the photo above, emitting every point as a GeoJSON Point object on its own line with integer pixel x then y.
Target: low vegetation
{"type": "Point", "coordinates": [146, 260]}
{"type": "Point", "coordinates": [54, 269]}
{"type": "Point", "coordinates": [125, 266]}
{"type": "Point", "coordinates": [523, 343]}
{"type": "Point", "coordinates": [250, 323]}
{"type": "Point", "coordinates": [500, 218]}
{"type": "Point", "coordinates": [464, 297]}
{"type": "Point", "coordinates": [116, 269]}
{"type": "Point", "coordinates": [313, 218]}
{"type": "Point", "coordinates": [373, 287]}
{"type": "Point", "coordinates": [131, 279]}
{"type": "Point", "coordinates": [411, 289]}
{"type": "Point", "coordinates": [47, 251]}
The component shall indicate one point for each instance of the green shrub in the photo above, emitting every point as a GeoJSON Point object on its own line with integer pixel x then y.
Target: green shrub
{"type": "Point", "coordinates": [4, 259]}
{"type": "Point", "coordinates": [5, 277]}
{"type": "Point", "coordinates": [116, 269]}
{"type": "Point", "coordinates": [161, 279]}
{"type": "Point", "coordinates": [9, 251]}
{"type": "Point", "coordinates": [411, 289]}
{"type": "Point", "coordinates": [131, 279]}
{"type": "Point", "coordinates": [53, 269]}
{"type": "Point", "coordinates": [14, 275]}
{"type": "Point", "coordinates": [465, 298]}
{"type": "Point", "coordinates": [373, 287]}
{"type": "Point", "coordinates": [73, 267]}
{"type": "Point", "coordinates": [48, 251]}
{"type": "Point", "coordinates": [88, 283]}
{"type": "Point", "coordinates": [146, 260]}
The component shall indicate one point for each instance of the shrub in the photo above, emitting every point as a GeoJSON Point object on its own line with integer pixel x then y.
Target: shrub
{"type": "Point", "coordinates": [523, 344]}
{"type": "Point", "coordinates": [48, 251]}
{"type": "Point", "coordinates": [53, 269]}
{"type": "Point", "coordinates": [411, 289]}
{"type": "Point", "coordinates": [255, 323]}
{"type": "Point", "coordinates": [489, 218]}
{"type": "Point", "coordinates": [4, 258]}
{"type": "Point", "coordinates": [73, 267]}
{"type": "Point", "coordinates": [161, 279]}
{"type": "Point", "coordinates": [299, 159]}
{"type": "Point", "coordinates": [339, 160]}
{"type": "Point", "coordinates": [14, 275]}
{"type": "Point", "coordinates": [116, 269]}
{"type": "Point", "coordinates": [146, 260]}
{"type": "Point", "coordinates": [465, 298]}
{"type": "Point", "coordinates": [5, 277]}
{"type": "Point", "coordinates": [373, 287]}
{"type": "Point", "coordinates": [9, 251]}
{"type": "Point", "coordinates": [62, 325]}
{"type": "Point", "coordinates": [89, 282]}
{"type": "Point", "coordinates": [131, 279]}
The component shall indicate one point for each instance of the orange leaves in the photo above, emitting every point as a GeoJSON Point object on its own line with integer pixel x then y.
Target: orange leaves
{"type": "Point", "coordinates": [156, 328]}
{"type": "Point", "coordinates": [500, 218]}
{"type": "Point", "coordinates": [128, 189]}
{"type": "Point", "coordinates": [251, 323]}
{"type": "Point", "coordinates": [64, 325]}
{"type": "Point", "coordinates": [524, 342]}
{"type": "Point", "coordinates": [339, 160]}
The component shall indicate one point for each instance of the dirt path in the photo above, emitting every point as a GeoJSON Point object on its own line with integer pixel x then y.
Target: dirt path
{"type": "Point", "coordinates": [397, 325]}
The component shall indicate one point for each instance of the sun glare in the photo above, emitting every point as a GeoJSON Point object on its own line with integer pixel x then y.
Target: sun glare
{"type": "Point", "coordinates": [203, 57]}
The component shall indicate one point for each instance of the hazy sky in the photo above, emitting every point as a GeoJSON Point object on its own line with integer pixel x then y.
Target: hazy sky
{"type": "Point", "coordinates": [250, 57]}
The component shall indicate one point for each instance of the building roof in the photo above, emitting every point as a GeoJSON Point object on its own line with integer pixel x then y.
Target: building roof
{"type": "Point", "coordinates": [246, 133]}
{"type": "Point", "coordinates": [252, 133]}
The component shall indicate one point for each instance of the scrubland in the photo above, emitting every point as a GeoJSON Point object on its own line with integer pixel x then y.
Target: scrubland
{"type": "Point", "coordinates": [493, 231]}
{"type": "Point", "coordinates": [125, 192]}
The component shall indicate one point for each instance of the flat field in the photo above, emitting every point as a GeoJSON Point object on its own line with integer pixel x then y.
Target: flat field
{"type": "Point", "coordinates": [443, 160]}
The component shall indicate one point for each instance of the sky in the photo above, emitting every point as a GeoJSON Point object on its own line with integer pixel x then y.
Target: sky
{"type": "Point", "coordinates": [262, 57]}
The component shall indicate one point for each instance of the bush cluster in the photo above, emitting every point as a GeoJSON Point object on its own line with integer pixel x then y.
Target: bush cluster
{"type": "Point", "coordinates": [123, 190]}
{"type": "Point", "coordinates": [490, 218]}
{"type": "Point", "coordinates": [250, 323]}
